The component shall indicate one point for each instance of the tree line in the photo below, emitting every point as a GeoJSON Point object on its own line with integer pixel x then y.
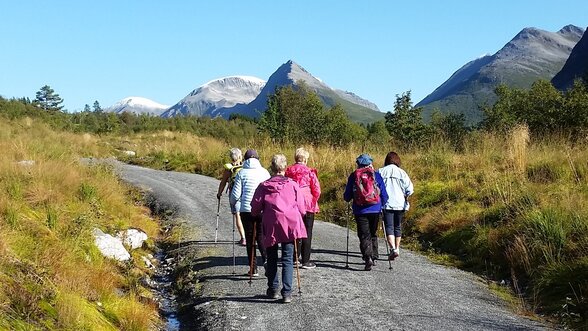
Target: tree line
{"type": "Point", "coordinates": [297, 114]}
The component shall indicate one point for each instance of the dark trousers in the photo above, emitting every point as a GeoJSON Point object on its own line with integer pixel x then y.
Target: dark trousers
{"type": "Point", "coordinates": [367, 226]}
{"type": "Point", "coordinates": [307, 242]}
{"type": "Point", "coordinates": [393, 222]}
{"type": "Point", "coordinates": [249, 222]}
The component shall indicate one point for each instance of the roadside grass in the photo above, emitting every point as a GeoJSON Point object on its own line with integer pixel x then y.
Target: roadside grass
{"type": "Point", "coordinates": [52, 275]}
{"type": "Point", "coordinates": [506, 206]}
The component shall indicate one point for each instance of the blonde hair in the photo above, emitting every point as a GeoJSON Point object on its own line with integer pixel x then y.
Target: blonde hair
{"type": "Point", "coordinates": [235, 154]}
{"type": "Point", "coordinates": [279, 163]}
{"type": "Point", "coordinates": [301, 155]}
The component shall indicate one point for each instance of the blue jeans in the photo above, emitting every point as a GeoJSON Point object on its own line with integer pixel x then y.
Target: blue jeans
{"type": "Point", "coordinates": [287, 267]}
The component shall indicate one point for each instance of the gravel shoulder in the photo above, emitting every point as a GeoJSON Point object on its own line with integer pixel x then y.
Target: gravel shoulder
{"type": "Point", "coordinates": [415, 295]}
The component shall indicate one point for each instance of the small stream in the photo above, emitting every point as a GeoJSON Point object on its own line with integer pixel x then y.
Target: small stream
{"type": "Point", "coordinates": [162, 285]}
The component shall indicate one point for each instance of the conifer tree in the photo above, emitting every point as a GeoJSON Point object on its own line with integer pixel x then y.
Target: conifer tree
{"type": "Point", "coordinates": [47, 99]}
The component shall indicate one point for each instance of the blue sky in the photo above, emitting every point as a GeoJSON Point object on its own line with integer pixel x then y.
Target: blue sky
{"type": "Point", "coordinates": [162, 50]}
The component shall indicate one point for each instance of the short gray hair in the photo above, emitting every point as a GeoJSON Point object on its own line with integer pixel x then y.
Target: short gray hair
{"type": "Point", "coordinates": [235, 154]}
{"type": "Point", "coordinates": [301, 154]}
{"type": "Point", "coordinates": [279, 163]}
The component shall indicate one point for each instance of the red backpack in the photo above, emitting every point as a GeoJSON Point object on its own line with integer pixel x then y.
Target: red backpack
{"type": "Point", "coordinates": [365, 189]}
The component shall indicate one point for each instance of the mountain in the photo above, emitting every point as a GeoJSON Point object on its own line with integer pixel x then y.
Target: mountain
{"type": "Point", "coordinates": [137, 105]}
{"type": "Point", "coordinates": [290, 73]}
{"type": "Point", "coordinates": [531, 55]}
{"type": "Point", "coordinates": [217, 94]}
{"type": "Point", "coordinates": [575, 67]}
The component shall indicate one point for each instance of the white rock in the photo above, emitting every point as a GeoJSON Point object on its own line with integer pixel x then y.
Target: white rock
{"type": "Point", "coordinates": [110, 246]}
{"type": "Point", "coordinates": [130, 153]}
{"type": "Point", "coordinates": [26, 163]}
{"type": "Point", "coordinates": [133, 238]}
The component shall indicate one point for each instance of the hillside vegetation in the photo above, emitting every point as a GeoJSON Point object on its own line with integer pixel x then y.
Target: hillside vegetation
{"type": "Point", "coordinates": [53, 277]}
{"type": "Point", "coordinates": [507, 200]}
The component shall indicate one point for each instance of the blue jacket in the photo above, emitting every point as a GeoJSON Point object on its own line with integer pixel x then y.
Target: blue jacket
{"type": "Point", "coordinates": [370, 209]}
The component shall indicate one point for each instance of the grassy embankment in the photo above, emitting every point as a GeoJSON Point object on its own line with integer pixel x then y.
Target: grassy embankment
{"type": "Point", "coordinates": [505, 207]}
{"type": "Point", "coordinates": [52, 275]}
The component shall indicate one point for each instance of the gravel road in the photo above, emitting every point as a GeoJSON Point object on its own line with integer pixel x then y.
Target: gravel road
{"type": "Point", "coordinates": [415, 295]}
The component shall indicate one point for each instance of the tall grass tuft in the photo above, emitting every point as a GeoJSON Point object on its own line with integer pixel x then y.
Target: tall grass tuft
{"type": "Point", "coordinates": [517, 152]}
{"type": "Point", "coordinates": [51, 273]}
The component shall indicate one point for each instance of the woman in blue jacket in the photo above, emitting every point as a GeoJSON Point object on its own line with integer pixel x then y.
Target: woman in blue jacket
{"type": "Point", "coordinates": [366, 188]}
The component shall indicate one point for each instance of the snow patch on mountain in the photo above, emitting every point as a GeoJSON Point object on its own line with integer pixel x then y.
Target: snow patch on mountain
{"type": "Point", "coordinates": [137, 105]}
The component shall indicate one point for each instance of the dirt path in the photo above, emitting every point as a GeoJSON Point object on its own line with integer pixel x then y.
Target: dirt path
{"type": "Point", "coordinates": [415, 295]}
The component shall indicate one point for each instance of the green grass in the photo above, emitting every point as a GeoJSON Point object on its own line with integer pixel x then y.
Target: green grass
{"type": "Point", "coordinates": [52, 275]}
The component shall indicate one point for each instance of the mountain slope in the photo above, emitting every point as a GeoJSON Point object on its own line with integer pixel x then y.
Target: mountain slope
{"type": "Point", "coordinates": [575, 67]}
{"type": "Point", "coordinates": [137, 105]}
{"type": "Point", "coordinates": [531, 55]}
{"type": "Point", "coordinates": [216, 94]}
{"type": "Point", "coordinates": [290, 73]}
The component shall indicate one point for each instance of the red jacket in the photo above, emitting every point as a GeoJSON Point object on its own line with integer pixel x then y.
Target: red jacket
{"type": "Point", "coordinates": [307, 179]}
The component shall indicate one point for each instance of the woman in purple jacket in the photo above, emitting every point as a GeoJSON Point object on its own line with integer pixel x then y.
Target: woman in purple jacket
{"type": "Point", "coordinates": [367, 206]}
{"type": "Point", "coordinates": [281, 204]}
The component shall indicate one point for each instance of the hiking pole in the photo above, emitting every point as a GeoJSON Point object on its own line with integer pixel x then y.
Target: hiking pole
{"type": "Point", "coordinates": [297, 270]}
{"type": "Point", "coordinates": [234, 220]}
{"type": "Point", "coordinates": [217, 217]}
{"type": "Point", "coordinates": [347, 218]}
{"type": "Point", "coordinates": [386, 241]}
{"type": "Point", "coordinates": [252, 255]}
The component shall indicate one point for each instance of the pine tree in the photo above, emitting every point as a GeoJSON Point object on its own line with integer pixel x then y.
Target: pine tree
{"type": "Point", "coordinates": [87, 108]}
{"type": "Point", "coordinates": [97, 107]}
{"type": "Point", "coordinates": [47, 99]}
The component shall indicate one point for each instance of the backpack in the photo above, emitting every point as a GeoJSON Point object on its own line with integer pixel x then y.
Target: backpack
{"type": "Point", "coordinates": [234, 171]}
{"type": "Point", "coordinates": [365, 189]}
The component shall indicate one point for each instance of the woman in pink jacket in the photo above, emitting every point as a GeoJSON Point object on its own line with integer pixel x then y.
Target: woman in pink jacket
{"type": "Point", "coordinates": [306, 178]}
{"type": "Point", "coordinates": [281, 204]}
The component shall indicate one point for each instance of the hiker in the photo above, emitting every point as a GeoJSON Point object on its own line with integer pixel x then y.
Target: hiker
{"type": "Point", "coordinates": [310, 187]}
{"type": "Point", "coordinates": [231, 170]}
{"type": "Point", "coordinates": [280, 202]}
{"type": "Point", "coordinates": [366, 188]}
{"type": "Point", "coordinates": [244, 186]}
{"type": "Point", "coordinates": [399, 188]}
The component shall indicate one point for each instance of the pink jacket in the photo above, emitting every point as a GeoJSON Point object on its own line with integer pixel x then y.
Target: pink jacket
{"type": "Point", "coordinates": [309, 185]}
{"type": "Point", "coordinates": [280, 202]}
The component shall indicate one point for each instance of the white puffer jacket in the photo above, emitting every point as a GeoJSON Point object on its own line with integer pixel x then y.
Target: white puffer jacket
{"type": "Point", "coordinates": [246, 183]}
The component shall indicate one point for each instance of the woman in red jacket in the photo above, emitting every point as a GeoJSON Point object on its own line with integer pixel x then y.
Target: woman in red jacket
{"type": "Point", "coordinates": [310, 187]}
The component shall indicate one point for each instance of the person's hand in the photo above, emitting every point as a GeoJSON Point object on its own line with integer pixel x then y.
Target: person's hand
{"type": "Point", "coordinates": [219, 195]}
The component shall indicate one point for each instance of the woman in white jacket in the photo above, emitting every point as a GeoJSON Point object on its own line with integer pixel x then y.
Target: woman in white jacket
{"type": "Point", "coordinates": [399, 188]}
{"type": "Point", "coordinates": [244, 186]}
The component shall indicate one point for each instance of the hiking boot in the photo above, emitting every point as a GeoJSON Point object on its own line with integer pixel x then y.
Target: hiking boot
{"type": "Point", "coordinates": [308, 265]}
{"type": "Point", "coordinates": [393, 254]}
{"type": "Point", "coordinates": [272, 294]}
{"type": "Point", "coordinates": [368, 264]}
{"type": "Point", "coordinates": [287, 298]}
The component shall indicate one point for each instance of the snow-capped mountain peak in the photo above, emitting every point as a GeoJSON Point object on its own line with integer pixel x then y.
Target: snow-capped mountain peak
{"type": "Point", "coordinates": [218, 93]}
{"type": "Point", "coordinates": [137, 105]}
